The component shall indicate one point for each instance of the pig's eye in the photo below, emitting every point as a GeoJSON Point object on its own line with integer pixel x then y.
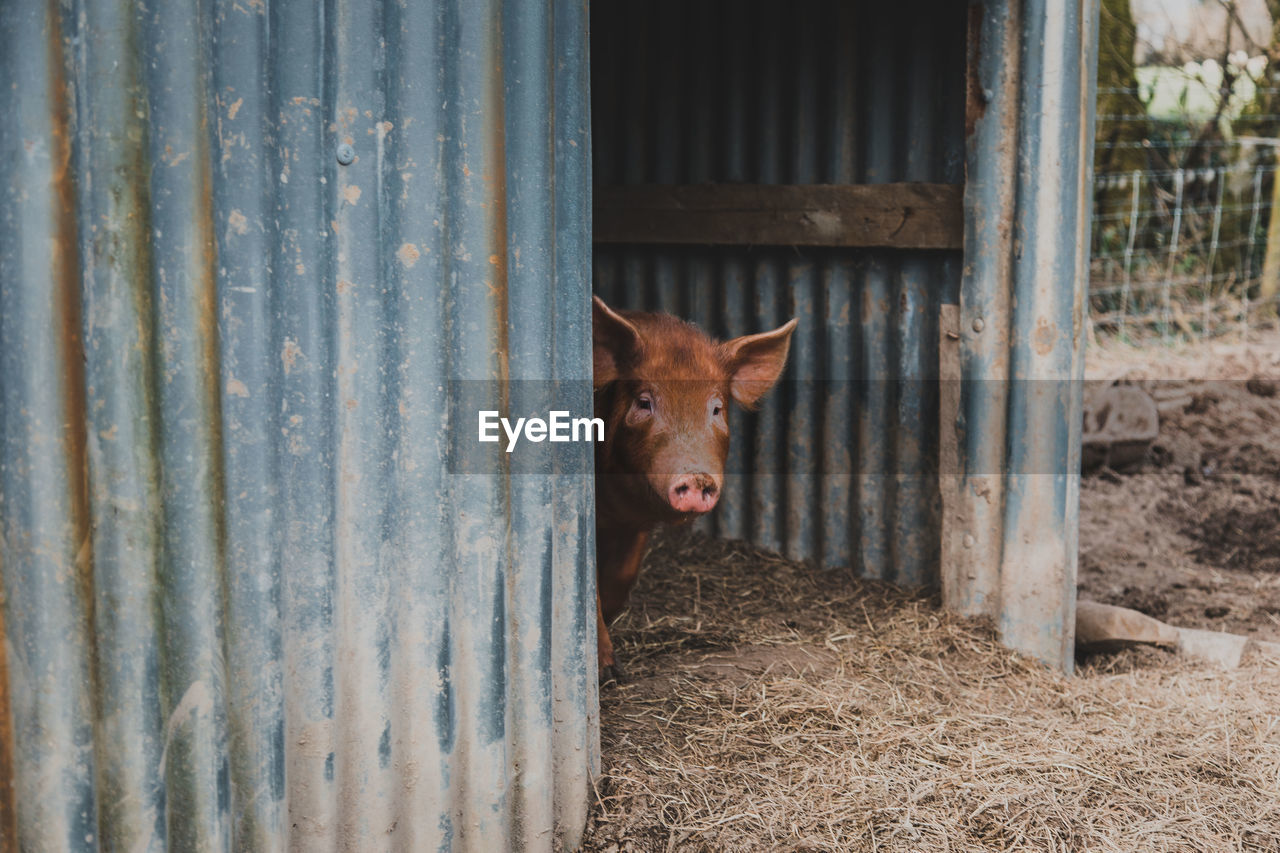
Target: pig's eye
{"type": "Point", "coordinates": [642, 406]}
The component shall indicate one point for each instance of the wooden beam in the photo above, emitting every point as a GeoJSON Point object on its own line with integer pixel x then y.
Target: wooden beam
{"type": "Point", "coordinates": [900, 216]}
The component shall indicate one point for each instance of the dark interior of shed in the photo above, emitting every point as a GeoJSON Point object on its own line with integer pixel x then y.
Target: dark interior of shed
{"type": "Point", "coordinates": [763, 123]}
{"type": "Point", "coordinates": [758, 161]}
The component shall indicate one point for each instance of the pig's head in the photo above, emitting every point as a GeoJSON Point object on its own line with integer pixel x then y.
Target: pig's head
{"type": "Point", "coordinates": [663, 388]}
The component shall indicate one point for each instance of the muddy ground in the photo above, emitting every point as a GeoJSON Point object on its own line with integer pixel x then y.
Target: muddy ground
{"type": "Point", "coordinates": [1192, 536]}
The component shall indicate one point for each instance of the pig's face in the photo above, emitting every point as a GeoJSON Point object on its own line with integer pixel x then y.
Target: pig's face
{"type": "Point", "coordinates": [663, 389]}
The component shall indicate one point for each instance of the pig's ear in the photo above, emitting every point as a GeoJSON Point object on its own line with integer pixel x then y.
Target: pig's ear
{"type": "Point", "coordinates": [755, 362]}
{"type": "Point", "coordinates": [614, 343]}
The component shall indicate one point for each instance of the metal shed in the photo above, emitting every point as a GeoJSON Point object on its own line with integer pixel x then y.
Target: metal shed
{"type": "Point", "coordinates": [909, 180]}
{"type": "Point", "coordinates": [248, 248]}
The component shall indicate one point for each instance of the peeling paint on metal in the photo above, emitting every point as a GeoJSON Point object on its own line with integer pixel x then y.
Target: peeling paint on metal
{"type": "Point", "coordinates": [1044, 337]}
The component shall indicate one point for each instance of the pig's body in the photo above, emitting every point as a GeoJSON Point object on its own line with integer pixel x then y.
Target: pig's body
{"type": "Point", "coordinates": [663, 389]}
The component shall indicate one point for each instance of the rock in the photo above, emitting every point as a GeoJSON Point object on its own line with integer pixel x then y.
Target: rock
{"type": "Point", "coordinates": [1120, 423]}
{"type": "Point", "coordinates": [1260, 387]}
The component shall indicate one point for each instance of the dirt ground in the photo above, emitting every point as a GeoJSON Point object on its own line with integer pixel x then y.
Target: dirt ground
{"type": "Point", "coordinates": [1193, 536]}
{"type": "Point", "coordinates": [769, 706]}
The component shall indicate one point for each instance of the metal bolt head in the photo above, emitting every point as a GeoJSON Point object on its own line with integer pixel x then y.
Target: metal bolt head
{"type": "Point", "coordinates": [978, 324]}
{"type": "Point", "coordinates": [346, 154]}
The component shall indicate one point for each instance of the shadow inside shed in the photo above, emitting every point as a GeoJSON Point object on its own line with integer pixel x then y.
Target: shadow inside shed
{"type": "Point", "coordinates": [758, 161]}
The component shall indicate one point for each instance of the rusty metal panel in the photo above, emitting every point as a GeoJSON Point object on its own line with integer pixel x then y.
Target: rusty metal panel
{"type": "Point", "coordinates": [840, 463]}
{"type": "Point", "coordinates": [1011, 544]}
{"type": "Point", "coordinates": [246, 249]}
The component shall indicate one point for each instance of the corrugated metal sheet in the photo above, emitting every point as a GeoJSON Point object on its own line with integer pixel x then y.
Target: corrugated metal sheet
{"type": "Point", "coordinates": [246, 606]}
{"type": "Point", "coordinates": [838, 464]}
{"type": "Point", "coordinates": [1011, 544]}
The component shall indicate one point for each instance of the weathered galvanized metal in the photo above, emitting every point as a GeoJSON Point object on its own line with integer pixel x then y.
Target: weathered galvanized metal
{"type": "Point", "coordinates": [1010, 547]}
{"type": "Point", "coordinates": [244, 250]}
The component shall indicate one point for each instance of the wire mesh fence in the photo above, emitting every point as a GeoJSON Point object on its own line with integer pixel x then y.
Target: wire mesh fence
{"type": "Point", "coordinates": [1183, 244]}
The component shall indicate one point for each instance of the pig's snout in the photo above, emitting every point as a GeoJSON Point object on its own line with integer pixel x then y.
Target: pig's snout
{"type": "Point", "coordinates": [693, 493]}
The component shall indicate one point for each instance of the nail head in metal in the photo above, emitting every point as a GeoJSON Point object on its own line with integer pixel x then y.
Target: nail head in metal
{"type": "Point", "coordinates": [978, 325]}
{"type": "Point", "coordinates": [346, 154]}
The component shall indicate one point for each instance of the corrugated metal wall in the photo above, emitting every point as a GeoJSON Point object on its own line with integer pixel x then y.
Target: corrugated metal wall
{"type": "Point", "coordinates": [244, 248]}
{"type": "Point", "coordinates": [841, 462]}
{"type": "Point", "coordinates": [1011, 528]}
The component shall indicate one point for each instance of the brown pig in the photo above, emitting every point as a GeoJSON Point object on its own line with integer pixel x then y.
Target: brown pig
{"type": "Point", "coordinates": [662, 388]}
